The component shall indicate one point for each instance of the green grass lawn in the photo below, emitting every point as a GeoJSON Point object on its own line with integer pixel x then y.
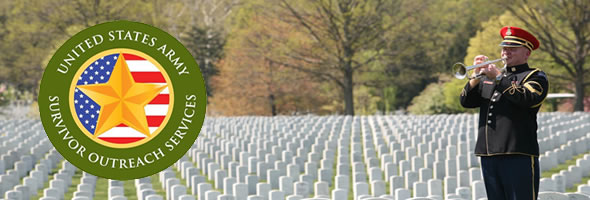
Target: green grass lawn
{"type": "Point", "coordinates": [558, 168]}
{"type": "Point", "coordinates": [101, 189]}
{"type": "Point", "coordinates": [157, 186]}
{"type": "Point", "coordinates": [564, 166]}
{"type": "Point", "coordinates": [46, 185]}
{"type": "Point", "coordinates": [75, 181]}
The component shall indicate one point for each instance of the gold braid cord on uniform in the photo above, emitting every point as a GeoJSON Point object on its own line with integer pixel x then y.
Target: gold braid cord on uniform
{"type": "Point", "coordinates": [513, 88]}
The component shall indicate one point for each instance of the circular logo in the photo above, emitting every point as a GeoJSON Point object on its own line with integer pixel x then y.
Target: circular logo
{"type": "Point", "coordinates": [122, 100]}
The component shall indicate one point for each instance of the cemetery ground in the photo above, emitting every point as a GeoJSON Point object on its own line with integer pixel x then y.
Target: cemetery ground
{"type": "Point", "coordinates": [305, 157]}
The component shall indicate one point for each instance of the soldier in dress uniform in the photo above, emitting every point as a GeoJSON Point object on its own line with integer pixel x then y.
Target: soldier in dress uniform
{"type": "Point", "coordinates": [508, 102]}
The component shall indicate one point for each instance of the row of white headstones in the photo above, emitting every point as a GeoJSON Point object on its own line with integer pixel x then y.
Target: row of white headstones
{"type": "Point", "coordinates": [335, 157]}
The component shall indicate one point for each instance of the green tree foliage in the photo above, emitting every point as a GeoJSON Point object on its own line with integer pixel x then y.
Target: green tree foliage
{"type": "Point", "coordinates": [33, 30]}
{"type": "Point", "coordinates": [274, 57]}
{"type": "Point", "coordinates": [427, 45]}
{"type": "Point", "coordinates": [205, 33]}
{"type": "Point", "coordinates": [206, 46]}
{"type": "Point", "coordinates": [430, 101]}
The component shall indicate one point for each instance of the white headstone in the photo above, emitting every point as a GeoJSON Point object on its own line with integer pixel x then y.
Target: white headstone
{"type": "Point", "coordinates": [410, 178]}
{"type": "Point", "coordinates": [402, 194]}
{"type": "Point", "coordinates": [154, 197]}
{"type": "Point", "coordinates": [177, 191]}
{"type": "Point", "coordinates": [435, 187]}
{"type": "Point", "coordinates": [425, 174]}
{"type": "Point", "coordinates": [342, 182]}
{"type": "Point", "coordinates": [478, 190]}
{"type": "Point", "coordinates": [552, 196]}
{"type": "Point", "coordinates": [322, 188]}
{"type": "Point", "coordinates": [226, 197]}
{"type": "Point", "coordinates": [219, 176]}
{"type": "Point", "coordinates": [116, 191]}
{"type": "Point", "coordinates": [546, 185]}
{"type": "Point", "coordinates": [202, 188]}
{"type": "Point", "coordinates": [450, 184]}
{"type": "Point", "coordinates": [228, 185]}
{"type": "Point", "coordinates": [464, 192]}
{"type": "Point", "coordinates": [338, 194]}
{"type": "Point", "coordinates": [251, 180]}
{"type": "Point", "coordinates": [378, 188]}
{"type": "Point", "coordinates": [262, 190]}
{"type": "Point", "coordinates": [463, 180]}
{"type": "Point", "coordinates": [277, 195]}
{"type": "Point", "coordinates": [195, 181]}
{"type": "Point", "coordinates": [286, 185]}
{"type": "Point", "coordinates": [420, 189]}
{"type": "Point", "coordinates": [240, 191]}
{"type": "Point", "coordinates": [361, 188]}
{"type": "Point", "coordinates": [212, 195]}
{"type": "Point", "coordinates": [301, 189]}
{"type": "Point", "coordinates": [187, 197]}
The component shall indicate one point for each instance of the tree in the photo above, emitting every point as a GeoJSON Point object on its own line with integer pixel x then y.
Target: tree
{"type": "Point", "coordinates": [251, 84]}
{"type": "Point", "coordinates": [425, 46]}
{"type": "Point", "coordinates": [205, 34]}
{"type": "Point", "coordinates": [563, 28]}
{"type": "Point", "coordinates": [430, 101]}
{"type": "Point", "coordinates": [339, 31]}
{"type": "Point", "coordinates": [206, 46]}
{"type": "Point", "coordinates": [33, 30]}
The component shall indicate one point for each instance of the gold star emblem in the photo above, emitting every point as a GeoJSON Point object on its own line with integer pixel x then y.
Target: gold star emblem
{"type": "Point", "coordinates": [122, 100]}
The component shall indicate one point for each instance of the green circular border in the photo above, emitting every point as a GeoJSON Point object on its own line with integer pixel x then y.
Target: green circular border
{"type": "Point", "coordinates": [55, 83]}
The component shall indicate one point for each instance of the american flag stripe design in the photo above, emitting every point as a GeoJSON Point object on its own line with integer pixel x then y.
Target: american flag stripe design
{"type": "Point", "coordinates": [143, 71]}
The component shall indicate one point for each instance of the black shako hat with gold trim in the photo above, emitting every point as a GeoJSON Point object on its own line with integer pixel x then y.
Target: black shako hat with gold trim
{"type": "Point", "coordinates": [516, 37]}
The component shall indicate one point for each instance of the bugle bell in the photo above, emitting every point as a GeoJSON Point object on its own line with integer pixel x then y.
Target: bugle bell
{"type": "Point", "coordinates": [460, 70]}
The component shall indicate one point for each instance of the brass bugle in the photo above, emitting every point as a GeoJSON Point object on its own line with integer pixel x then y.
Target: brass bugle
{"type": "Point", "coordinates": [460, 70]}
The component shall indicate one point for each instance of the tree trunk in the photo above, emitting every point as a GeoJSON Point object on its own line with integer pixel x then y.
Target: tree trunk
{"type": "Point", "coordinates": [579, 105]}
{"type": "Point", "coordinates": [273, 106]}
{"type": "Point", "coordinates": [348, 93]}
